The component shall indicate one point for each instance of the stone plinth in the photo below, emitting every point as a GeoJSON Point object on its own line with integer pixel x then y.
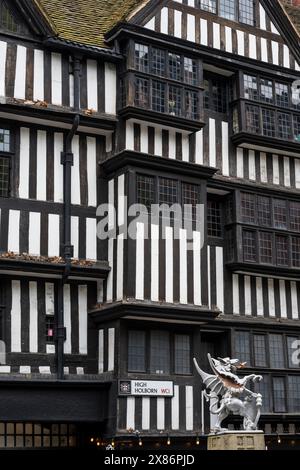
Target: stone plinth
{"type": "Point", "coordinates": [237, 440]}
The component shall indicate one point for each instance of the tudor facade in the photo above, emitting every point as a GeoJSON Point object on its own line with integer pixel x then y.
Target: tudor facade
{"type": "Point", "coordinates": [188, 102]}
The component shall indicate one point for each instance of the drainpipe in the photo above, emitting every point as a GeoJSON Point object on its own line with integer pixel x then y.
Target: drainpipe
{"type": "Point", "coordinates": [67, 248]}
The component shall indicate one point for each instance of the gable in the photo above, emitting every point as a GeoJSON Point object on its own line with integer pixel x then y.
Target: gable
{"type": "Point", "coordinates": [184, 19]}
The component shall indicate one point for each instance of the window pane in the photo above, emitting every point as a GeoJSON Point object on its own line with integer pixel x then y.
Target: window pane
{"type": "Point", "coordinates": [293, 344]}
{"type": "Point", "coordinates": [158, 61]}
{"type": "Point", "coordinates": [276, 351]}
{"type": "Point", "coordinates": [268, 119]}
{"type": "Point", "coordinates": [248, 207]}
{"type": "Point", "coordinates": [295, 216]}
{"type": "Point", "coordinates": [190, 71]}
{"type": "Point", "coordinates": [174, 103]}
{"type": "Point", "coordinates": [263, 387]}
{"type": "Point", "coordinates": [160, 352]}
{"type": "Point", "coordinates": [182, 354]}
{"type": "Point", "coordinates": [282, 94]}
{"type": "Point", "coordinates": [296, 127]}
{"type": "Point", "coordinates": [265, 247]}
{"type": "Point", "coordinates": [5, 140]}
{"type": "Point", "coordinates": [167, 191]}
{"type": "Point", "coordinates": [296, 252]}
{"type": "Point", "coordinates": [279, 395]}
{"type": "Point", "coordinates": [227, 9]}
{"type": "Point", "coordinates": [141, 92]}
{"type": "Point", "coordinates": [136, 351]}
{"type": "Point", "coordinates": [260, 350]}
{"type": "Point", "coordinates": [294, 393]}
{"type": "Point", "coordinates": [206, 94]}
{"type": "Point", "coordinates": [252, 119]}
{"type": "Point", "coordinates": [145, 190]}
{"type": "Point", "coordinates": [214, 226]}
{"type": "Point", "coordinates": [246, 12]}
{"type": "Point", "coordinates": [175, 66]}
{"type": "Point", "coordinates": [284, 125]}
{"type": "Point", "coordinates": [282, 250]}
{"type": "Point", "coordinates": [266, 90]}
{"type": "Point", "coordinates": [158, 96]}
{"type": "Point", "coordinates": [191, 104]}
{"type": "Point", "coordinates": [264, 211]}
{"type": "Point", "coordinates": [4, 177]}
{"type": "Point", "coordinates": [249, 246]}
{"type": "Point", "coordinates": [209, 5]}
{"type": "Point", "coordinates": [190, 200]}
{"type": "Point", "coordinates": [242, 346]}
{"type": "Point", "coordinates": [250, 87]}
{"type": "Point", "coordinates": [142, 57]}
{"type": "Point", "coordinates": [219, 96]}
{"type": "Point", "coordinates": [280, 213]}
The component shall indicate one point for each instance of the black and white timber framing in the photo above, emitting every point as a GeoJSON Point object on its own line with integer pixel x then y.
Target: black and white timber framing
{"type": "Point", "coordinates": [108, 288]}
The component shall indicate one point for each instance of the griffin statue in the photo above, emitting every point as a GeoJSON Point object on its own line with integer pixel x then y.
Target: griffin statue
{"type": "Point", "coordinates": [228, 393]}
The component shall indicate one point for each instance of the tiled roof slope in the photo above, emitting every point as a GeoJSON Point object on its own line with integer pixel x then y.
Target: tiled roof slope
{"type": "Point", "coordinates": [86, 21]}
{"type": "Point", "coordinates": [293, 12]}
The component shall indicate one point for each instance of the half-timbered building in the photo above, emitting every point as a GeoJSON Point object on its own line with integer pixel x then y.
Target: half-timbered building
{"type": "Point", "coordinates": [124, 102]}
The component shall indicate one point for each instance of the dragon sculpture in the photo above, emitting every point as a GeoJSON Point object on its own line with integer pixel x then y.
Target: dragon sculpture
{"type": "Point", "coordinates": [228, 393]}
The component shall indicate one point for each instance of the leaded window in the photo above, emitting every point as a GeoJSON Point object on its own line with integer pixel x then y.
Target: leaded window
{"type": "Point", "coordinates": [175, 66]}
{"type": "Point", "coordinates": [293, 344]}
{"type": "Point", "coordinates": [227, 9]}
{"type": "Point", "coordinates": [282, 94]}
{"type": "Point", "coordinates": [190, 199]}
{"type": "Point", "coordinates": [219, 96]}
{"type": "Point", "coordinates": [142, 57]}
{"type": "Point", "coordinates": [145, 190]}
{"type": "Point", "coordinates": [280, 213]}
{"type": "Point", "coordinates": [276, 351]}
{"type": "Point", "coordinates": [158, 96]}
{"type": "Point", "coordinates": [167, 191]}
{"type": "Point", "coordinates": [4, 176]}
{"type": "Point", "coordinates": [296, 127]}
{"type": "Point", "coordinates": [158, 61]}
{"type": "Point", "coordinates": [246, 12]}
{"type": "Point", "coordinates": [252, 119]}
{"type": "Point", "coordinates": [295, 216]}
{"type": "Point", "coordinates": [284, 125]}
{"type": "Point", "coordinates": [248, 210]}
{"type": "Point", "coordinates": [268, 123]}
{"type": "Point", "coordinates": [182, 354]}
{"type": "Point", "coordinates": [279, 395]}
{"type": "Point", "coordinates": [136, 351]}
{"type": "Point", "coordinates": [191, 105]}
{"type": "Point", "coordinates": [174, 102]}
{"type": "Point", "coordinates": [249, 246]}
{"type": "Point", "coordinates": [190, 71]}
{"type": "Point", "coordinates": [160, 352]}
{"type": "Point", "coordinates": [266, 90]}
{"type": "Point", "coordinates": [208, 5]}
{"type": "Point", "coordinates": [214, 221]}
{"type": "Point", "coordinates": [264, 211]}
{"type": "Point", "coordinates": [263, 387]}
{"type": "Point", "coordinates": [295, 245]}
{"type": "Point", "coordinates": [260, 357]}
{"type": "Point", "coordinates": [294, 393]}
{"type": "Point", "coordinates": [250, 87]}
{"type": "Point", "coordinates": [282, 252]}
{"type": "Point", "coordinates": [141, 92]}
{"type": "Point", "coordinates": [265, 247]}
{"type": "Point", "coordinates": [242, 346]}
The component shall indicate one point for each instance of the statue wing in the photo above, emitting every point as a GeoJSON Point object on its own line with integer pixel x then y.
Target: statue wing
{"type": "Point", "coordinates": [213, 382]}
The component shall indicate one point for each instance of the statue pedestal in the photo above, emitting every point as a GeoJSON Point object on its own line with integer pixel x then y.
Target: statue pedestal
{"type": "Point", "coordinates": [237, 440]}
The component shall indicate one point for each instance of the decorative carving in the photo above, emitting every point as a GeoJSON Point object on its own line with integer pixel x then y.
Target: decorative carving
{"type": "Point", "coordinates": [228, 393]}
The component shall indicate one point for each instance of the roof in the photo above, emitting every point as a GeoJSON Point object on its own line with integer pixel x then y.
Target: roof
{"type": "Point", "coordinates": [86, 21]}
{"type": "Point", "coordinates": [293, 12]}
